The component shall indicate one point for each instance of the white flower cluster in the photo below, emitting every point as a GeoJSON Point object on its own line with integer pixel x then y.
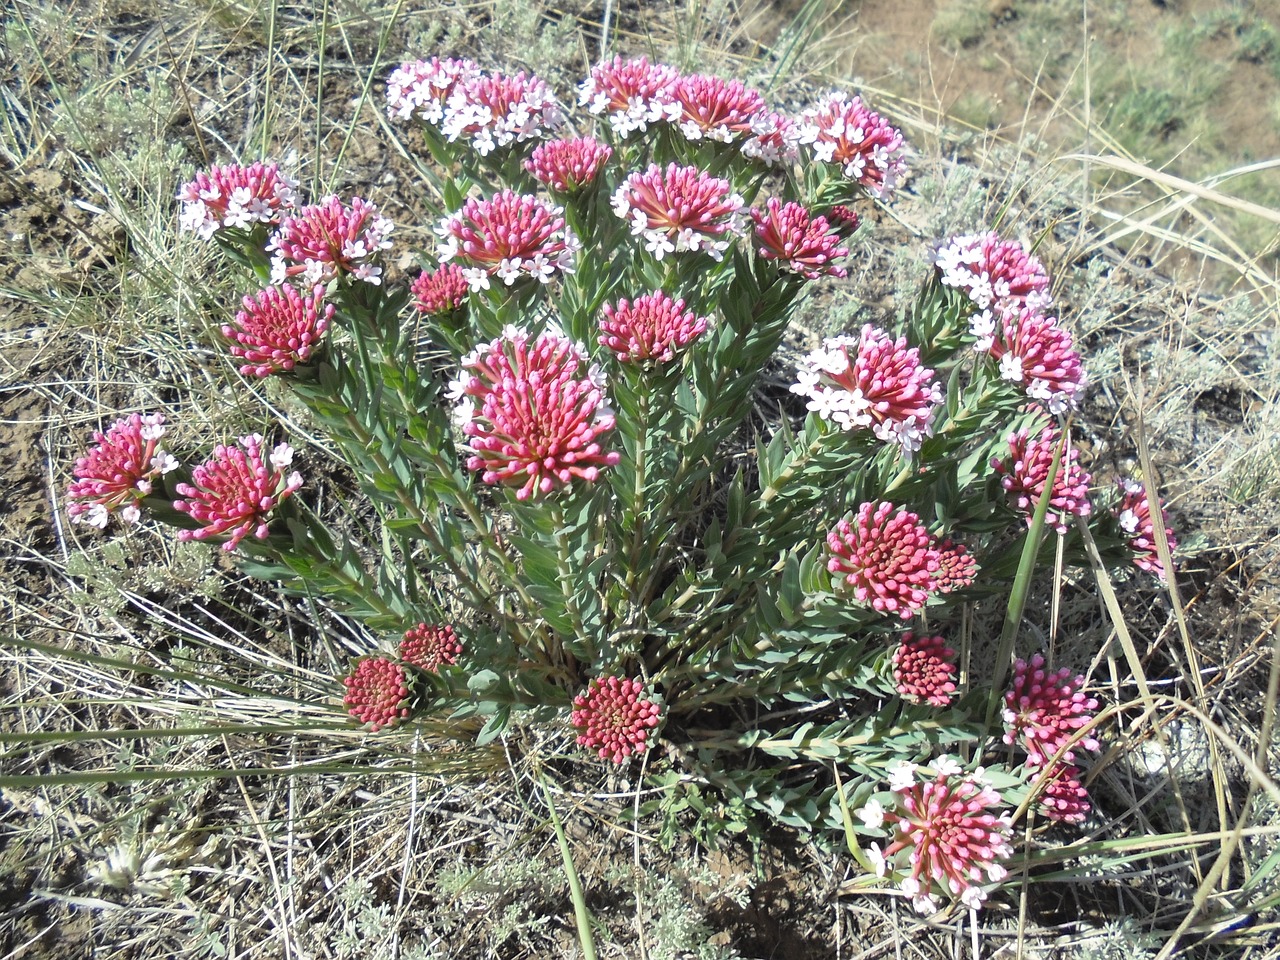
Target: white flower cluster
{"type": "Point", "coordinates": [421, 87]}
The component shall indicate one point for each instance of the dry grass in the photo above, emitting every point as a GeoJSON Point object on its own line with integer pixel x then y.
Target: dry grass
{"type": "Point", "coordinates": [175, 779]}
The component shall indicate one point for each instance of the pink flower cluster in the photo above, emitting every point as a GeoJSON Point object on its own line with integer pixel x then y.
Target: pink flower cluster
{"type": "Point", "coordinates": [1133, 513]}
{"type": "Point", "coordinates": [118, 471]}
{"type": "Point", "coordinates": [885, 557]}
{"type": "Point", "coordinates": [956, 567]}
{"type": "Point", "coordinates": [568, 165]}
{"type": "Point", "coordinates": [508, 236]}
{"type": "Point", "coordinates": [994, 273]}
{"type": "Point", "coordinates": [378, 692]}
{"type": "Point", "coordinates": [1044, 710]}
{"type": "Point", "coordinates": [871, 382]}
{"type": "Point", "coordinates": [721, 110]}
{"type": "Point", "coordinates": [1024, 472]}
{"type": "Point", "coordinates": [775, 141]}
{"type": "Point", "coordinates": [322, 242]}
{"type": "Point", "coordinates": [614, 717]}
{"type": "Point", "coordinates": [278, 329]}
{"type": "Point", "coordinates": [440, 291]}
{"type": "Point", "coordinates": [924, 669]}
{"type": "Point", "coordinates": [1034, 351]}
{"type": "Point", "coordinates": [1010, 291]}
{"type": "Point", "coordinates": [430, 646]}
{"type": "Point", "coordinates": [653, 327]}
{"type": "Point", "coordinates": [866, 147]}
{"type": "Point", "coordinates": [487, 110]}
{"type": "Point", "coordinates": [1063, 797]}
{"type": "Point", "coordinates": [235, 196]}
{"type": "Point", "coordinates": [802, 244]}
{"type": "Point", "coordinates": [946, 839]}
{"type": "Point", "coordinates": [532, 413]}
{"type": "Point", "coordinates": [422, 88]}
{"type": "Point", "coordinates": [680, 209]}
{"type": "Point", "coordinates": [632, 94]}
{"type": "Point", "coordinates": [235, 490]}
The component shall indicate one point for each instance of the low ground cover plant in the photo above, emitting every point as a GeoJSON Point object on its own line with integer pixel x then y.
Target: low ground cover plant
{"type": "Point", "coordinates": [587, 511]}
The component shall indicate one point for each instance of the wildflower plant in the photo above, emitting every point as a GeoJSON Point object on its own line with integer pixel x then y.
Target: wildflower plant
{"type": "Point", "coordinates": [553, 418]}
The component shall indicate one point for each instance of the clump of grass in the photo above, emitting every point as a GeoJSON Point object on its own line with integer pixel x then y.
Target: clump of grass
{"type": "Point", "coordinates": [960, 24]}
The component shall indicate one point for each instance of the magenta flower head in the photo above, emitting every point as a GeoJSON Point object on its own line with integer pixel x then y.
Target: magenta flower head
{"type": "Point", "coordinates": [1043, 711]}
{"type": "Point", "coordinates": [885, 557]}
{"type": "Point", "coordinates": [236, 489]}
{"type": "Point", "coordinates": [924, 670]}
{"type": "Point", "coordinates": [322, 242]}
{"type": "Point", "coordinates": [631, 93]}
{"type": "Point", "coordinates": [845, 219]}
{"type": "Point", "coordinates": [568, 165]}
{"type": "Point", "coordinates": [994, 273]}
{"type": "Point", "coordinates": [379, 692]}
{"type": "Point", "coordinates": [278, 329]}
{"type": "Point", "coordinates": [494, 110]}
{"type": "Point", "coordinates": [118, 471]}
{"type": "Point", "coordinates": [235, 196]}
{"type": "Point", "coordinates": [1024, 473]}
{"type": "Point", "coordinates": [945, 840]}
{"type": "Point", "coordinates": [775, 141]}
{"type": "Point", "coordinates": [652, 327]}
{"type": "Point", "coordinates": [871, 382]}
{"type": "Point", "coordinates": [1035, 352]}
{"type": "Point", "coordinates": [865, 146]}
{"type": "Point", "coordinates": [716, 109]}
{"type": "Point", "coordinates": [1063, 796]}
{"type": "Point", "coordinates": [1133, 513]}
{"type": "Point", "coordinates": [430, 646]}
{"type": "Point", "coordinates": [533, 413]}
{"type": "Point", "coordinates": [614, 717]}
{"type": "Point", "coordinates": [679, 209]}
{"type": "Point", "coordinates": [508, 236]}
{"type": "Point", "coordinates": [956, 567]}
{"type": "Point", "coordinates": [440, 291]}
{"type": "Point", "coordinates": [420, 88]}
{"type": "Point", "coordinates": [800, 243]}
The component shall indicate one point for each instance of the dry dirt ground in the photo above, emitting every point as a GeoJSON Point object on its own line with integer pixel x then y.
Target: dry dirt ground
{"type": "Point", "coordinates": [1203, 403]}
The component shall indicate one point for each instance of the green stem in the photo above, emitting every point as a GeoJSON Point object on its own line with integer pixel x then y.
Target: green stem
{"type": "Point", "coordinates": [566, 579]}
{"type": "Point", "coordinates": [581, 915]}
{"type": "Point", "coordinates": [638, 526]}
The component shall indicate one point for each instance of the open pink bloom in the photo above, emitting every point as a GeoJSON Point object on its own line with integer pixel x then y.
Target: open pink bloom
{"type": "Point", "coordinates": [1043, 710]}
{"type": "Point", "coordinates": [1035, 352]}
{"type": "Point", "coordinates": [322, 242]}
{"type": "Point", "coordinates": [679, 209]}
{"type": "Point", "coordinates": [865, 146]}
{"type": "Point", "coordinates": [632, 94]}
{"type": "Point", "coordinates": [508, 236]}
{"type": "Point", "coordinates": [235, 196]}
{"type": "Point", "coordinates": [118, 471]}
{"type": "Point", "coordinates": [945, 840]}
{"type": "Point", "coordinates": [278, 329]}
{"type": "Point", "coordinates": [956, 567]}
{"type": "Point", "coordinates": [533, 413]}
{"type": "Point", "coordinates": [494, 110]}
{"type": "Point", "coordinates": [652, 327]}
{"type": "Point", "coordinates": [1024, 472]}
{"type": "Point", "coordinates": [1134, 515]}
{"type": "Point", "coordinates": [440, 291]}
{"type": "Point", "coordinates": [871, 382]}
{"type": "Point", "coordinates": [430, 646]}
{"type": "Point", "coordinates": [235, 491]}
{"type": "Point", "coordinates": [775, 141]}
{"type": "Point", "coordinates": [568, 165]}
{"type": "Point", "coordinates": [1064, 798]}
{"type": "Point", "coordinates": [378, 692]}
{"type": "Point", "coordinates": [716, 109]}
{"type": "Point", "coordinates": [924, 670]}
{"type": "Point", "coordinates": [887, 558]}
{"type": "Point", "coordinates": [802, 244]}
{"type": "Point", "coordinates": [994, 273]}
{"type": "Point", "coordinates": [614, 718]}
{"type": "Point", "coordinates": [420, 88]}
